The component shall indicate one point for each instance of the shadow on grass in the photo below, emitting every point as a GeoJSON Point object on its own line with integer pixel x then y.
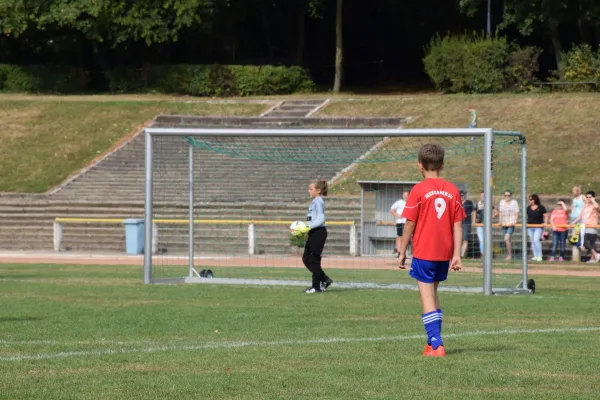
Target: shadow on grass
{"type": "Point", "coordinates": [485, 349]}
{"type": "Point", "coordinates": [19, 319]}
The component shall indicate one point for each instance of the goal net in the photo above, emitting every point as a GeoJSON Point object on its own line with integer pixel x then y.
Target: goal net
{"type": "Point", "coordinates": [219, 203]}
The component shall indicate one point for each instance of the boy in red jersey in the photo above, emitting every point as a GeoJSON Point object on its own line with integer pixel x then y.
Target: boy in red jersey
{"type": "Point", "coordinates": [434, 214]}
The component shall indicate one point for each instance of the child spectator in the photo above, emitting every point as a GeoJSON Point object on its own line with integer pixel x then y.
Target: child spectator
{"type": "Point", "coordinates": [559, 217]}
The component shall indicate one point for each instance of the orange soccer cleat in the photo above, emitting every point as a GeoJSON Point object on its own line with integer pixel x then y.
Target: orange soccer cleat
{"type": "Point", "coordinates": [428, 350]}
{"type": "Point", "coordinates": [439, 352]}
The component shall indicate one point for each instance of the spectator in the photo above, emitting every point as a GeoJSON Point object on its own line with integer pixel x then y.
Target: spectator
{"type": "Point", "coordinates": [479, 213]}
{"type": "Point", "coordinates": [576, 206]}
{"type": "Point", "coordinates": [559, 217]}
{"type": "Point", "coordinates": [508, 210]}
{"type": "Point", "coordinates": [396, 211]}
{"type": "Point", "coordinates": [472, 117]}
{"type": "Point", "coordinates": [589, 217]}
{"type": "Point", "coordinates": [467, 222]}
{"type": "Point", "coordinates": [536, 215]}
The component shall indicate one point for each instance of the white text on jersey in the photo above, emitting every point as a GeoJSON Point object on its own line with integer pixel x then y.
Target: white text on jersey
{"type": "Point", "coordinates": [440, 192]}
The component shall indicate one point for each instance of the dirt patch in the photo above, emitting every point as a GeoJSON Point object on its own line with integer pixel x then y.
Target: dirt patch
{"type": "Point", "coordinates": [15, 123]}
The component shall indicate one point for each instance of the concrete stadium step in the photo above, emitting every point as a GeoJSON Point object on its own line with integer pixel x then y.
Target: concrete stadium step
{"type": "Point", "coordinates": [202, 246]}
{"type": "Point", "coordinates": [303, 102]}
{"type": "Point", "coordinates": [114, 187]}
{"type": "Point", "coordinates": [199, 210]}
{"type": "Point", "coordinates": [240, 207]}
{"type": "Point", "coordinates": [174, 121]}
{"type": "Point", "coordinates": [57, 204]}
{"type": "Point", "coordinates": [293, 108]}
{"type": "Point", "coordinates": [297, 107]}
{"type": "Point", "coordinates": [288, 113]}
{"type": "Point", "coordinates": [224, 237]}
{"type": "Point", "coordinates": [333, 214]}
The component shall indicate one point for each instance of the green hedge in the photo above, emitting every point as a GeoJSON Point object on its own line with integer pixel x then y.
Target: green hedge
{"type": "Point", "coordinates": [42, 78]}
{"type": "Point", "coordinates": [580, 64]}
{"type": "Point", "coordinates": [195, 80]}
{"type": "Point", "coordinates": [212, 80]}
{"type": "Point", "coordinates": [475, 64]}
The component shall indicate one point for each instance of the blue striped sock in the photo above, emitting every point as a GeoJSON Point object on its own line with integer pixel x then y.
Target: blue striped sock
{"type": "Point", "coordinates": [441, 314]}
{"type": "Point", "coordinates": [432, 327]}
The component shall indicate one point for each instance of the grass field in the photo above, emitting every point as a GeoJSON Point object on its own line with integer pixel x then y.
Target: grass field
{"type": "Point", "coordinates": [82, 332]}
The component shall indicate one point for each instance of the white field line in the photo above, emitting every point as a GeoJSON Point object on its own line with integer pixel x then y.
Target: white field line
{"type": "Point", "coordinates": [230, 345]}
{"type": "Point", "coordinates": [78, 342]}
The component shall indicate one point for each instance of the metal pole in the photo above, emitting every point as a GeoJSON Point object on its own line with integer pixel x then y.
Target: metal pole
{"type": "Point", "coordinates": [524, 212]}
{"type": "Point", "coordinates": [191, 207]}
{"type": "Point", "coordinates": [362, 218]}
{"type": "Point", "coordinates": [148, 210]}
{"type": "Point", "coordinates": [489, 19]}
{"type": "Point", "coordinates": [487, 213]}
{"type": "Point", "coordinates": [371, 132]}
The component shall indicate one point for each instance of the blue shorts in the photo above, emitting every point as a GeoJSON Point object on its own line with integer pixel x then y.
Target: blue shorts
{"type": "Point", "coordinates": [508, 230]}
{"type": "Point", "coordinates": [429, 271]}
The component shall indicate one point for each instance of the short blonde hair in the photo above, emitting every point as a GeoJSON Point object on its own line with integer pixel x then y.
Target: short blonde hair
{"type": "Point", "coordinates": [577, 188]}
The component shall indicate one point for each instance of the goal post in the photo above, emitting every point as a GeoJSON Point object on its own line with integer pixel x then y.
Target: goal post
{"type": "Point", "coordinates": [200, 215]}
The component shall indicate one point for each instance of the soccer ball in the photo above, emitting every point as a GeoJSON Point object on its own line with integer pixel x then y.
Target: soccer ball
{"type": "Point", "coordinates": [296, 226]}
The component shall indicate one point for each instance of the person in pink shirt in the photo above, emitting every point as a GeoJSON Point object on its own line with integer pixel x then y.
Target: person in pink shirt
{"type": "Point", "coordinates": [558, 218]}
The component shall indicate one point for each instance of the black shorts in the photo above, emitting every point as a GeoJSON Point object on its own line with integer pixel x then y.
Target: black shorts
{"type": "Point", "coordinates": [589, 241]}
{"type": "Point", "coordinates": [466, 232]}
{"type": "Point", "coordinates": [399, 229]}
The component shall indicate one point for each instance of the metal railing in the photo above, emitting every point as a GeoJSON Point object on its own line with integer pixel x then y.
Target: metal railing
{"type": "Point", "coordinates": [252, 237]}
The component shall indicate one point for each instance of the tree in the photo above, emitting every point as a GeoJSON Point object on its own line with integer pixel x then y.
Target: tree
{"type": "Point", "coordinates": [114, 21]}
{"type": "Point", "coordinates": [543, 16]}
{"type": "Point", "coordinates": [339, 50]}
{"type": "Point", "coordinates": [314, 10]}
{"type": "Point", "coordinates": [590, 14]}
{"type": "Point", "coordinates": [470, 8]}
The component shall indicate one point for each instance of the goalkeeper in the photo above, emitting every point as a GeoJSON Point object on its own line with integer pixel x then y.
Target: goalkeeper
{"type": "Point", "coordinates": [317, 235]}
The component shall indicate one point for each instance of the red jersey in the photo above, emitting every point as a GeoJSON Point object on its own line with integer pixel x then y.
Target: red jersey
{"type": "Point", "coordinates": [434, 205]}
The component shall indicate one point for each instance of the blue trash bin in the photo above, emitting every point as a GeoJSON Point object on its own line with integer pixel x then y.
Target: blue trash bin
{"type": "Point", "coordinates": [134, 236]}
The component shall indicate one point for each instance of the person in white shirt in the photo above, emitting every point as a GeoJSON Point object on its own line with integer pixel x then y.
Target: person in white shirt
{"type": "Point", "coordinates": [508, 211]}
{"type": "Point", "coordinates": [396, 211]}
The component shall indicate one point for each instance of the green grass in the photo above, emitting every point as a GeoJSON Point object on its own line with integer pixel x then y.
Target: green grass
{"type": "Point", "coordinates": [99, 333]}
{"type": "Point", "coordinates": [46, 139]}
{"type": "Point", "coordinates": [557, 127]}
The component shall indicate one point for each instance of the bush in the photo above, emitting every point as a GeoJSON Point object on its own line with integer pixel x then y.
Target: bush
{"type": "Point", "coordinates": [485, 64]}
{"type": "Point", "coordinates": [212, 80]}
{"type": "Point", "coordinates": [475, 64]}
{"type": "Point", "coordinates": [522, 67]}
{"type": "Point", "coordinates": [42, 78]}
{"type": "Point", "coordinates": [125, 80]}
{"type": "Point", "coordinates": [444, 63]}
{"type": "Point", "coordinates": [580, 64]}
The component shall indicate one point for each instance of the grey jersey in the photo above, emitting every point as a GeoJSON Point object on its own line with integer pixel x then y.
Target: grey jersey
{"type": "Point", "coordinates": [316, 213]}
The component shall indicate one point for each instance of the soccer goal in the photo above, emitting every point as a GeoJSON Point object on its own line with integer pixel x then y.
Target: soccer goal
{"type": "Point", "coordinates": [219, 202]}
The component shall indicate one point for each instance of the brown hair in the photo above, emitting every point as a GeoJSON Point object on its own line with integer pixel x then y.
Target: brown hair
{"type": "Point", "coordinates": [431, 156]}
{"type": "Point", "coordinates": [321, 185]}
{"type": "Point", "coordinates": [536, 199]}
